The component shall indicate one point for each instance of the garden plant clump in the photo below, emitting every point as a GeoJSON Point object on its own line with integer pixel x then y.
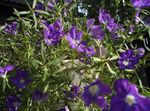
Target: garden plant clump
{"type": "Point", "coordinates": [56, 57]}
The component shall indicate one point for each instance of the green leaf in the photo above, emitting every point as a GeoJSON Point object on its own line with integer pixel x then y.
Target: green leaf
{"type": "Point", "coordinates": [34, 4]}
{"type": "Point", "coordinates": [146, 93]}
{"type": "Point", "coordinates": [35, 20]}
{"type": "Point", "coordinates": [24, 12]}
{"type": "Point", "coordinates": [58, 60]}
{"type": "Point", "coordinates": [4, 84]}
{"type": "Point", "coordinates": [110, 69]}
{"type": "Point", "coordinates": [42, 12]}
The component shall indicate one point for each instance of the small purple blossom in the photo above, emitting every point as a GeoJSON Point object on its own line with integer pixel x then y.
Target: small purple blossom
{"type": "Point", "coordinates": [53, 33]}
{"type": "Point", "coordinates": [39, 6]}
{"type": "Point", "coordinates": [97, 32]}
{"type": "Point", "coordinates": [83, 48]}
{"type": "Point", "coordinates": [141, 3]}
{"type": "Point", "coordinates": [94, 93]}
{"type": "Point", "coordinates": [21, 79]}
{"type": "Point", "coordinates": [112, 26]}
{"type": "Point", "coordinates": [7, 68]}
{"type": "Point", "coordinates": [131, 29]}
{"type": "Point", "coordinates": [74, 37]}
{"type": "Point", "coordinates": [104, 17]}
{"type": "Point", "coordinates": [11, 29]}
{"type": "Point", "coordinates": [51, 4]}
{"type": "Point", "coordinates": [128, 60]}
{"type": "Point", "coordinates": [127, 97]}
{"type": "Point", "coordinates": [73, 93]}
{"type": "Point", "coordinates": [39, 96]}
{"type": "Point", "coordinates": [139, 52]}
{"type": "Point", "coordinates": [13, 103]}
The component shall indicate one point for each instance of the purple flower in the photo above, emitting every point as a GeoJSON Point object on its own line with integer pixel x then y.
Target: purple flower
{"type": "Point", "coordinates": [131, 29]}
{"type": "Point", "coordinates": [90, 51]}
{"type": "Point", "coordinates": [104, 17]}
{"type": "Point", "coordinates": [39, 6]}
{"type": "Point", "coordinates": [139, 52]}
{"type": "Point", "coordinates": [39, 96]}
{"type": "Point", "coordinates": [73, 93]}
{"type": "Point", "coordinates": [128, 60]}
{"type": "Point", "coordinates": [13, 103]}
{"type": "Point", "coordinates": [74, 37]}
{"type": "Point", "coordinates": [21, 80]}
{"type": "Point", "coordinates": [84, 59]}
{"type": "Point", "coordinates": [83, 48]}
{"type": "Point", "coordinates": [7, 68]}
{"type": "Point", "coordinates": [141, 3]}
{"type": "Point", "coordinates": [51, 4]}
{"type": "Point", "coordinates": [94, 30]}
{"type": "Point", "coordinates": [53, 33]}
{"type": "Point", "coordinates": [127, 98]}
{"type": "Point", "coordinates": [94, 93]}
{"type": "Point", "coordinates": [11, 29]}
{"type": "Point", "coordinates": [112, 26]}
{"type": "Point", "coordinates": [97, 32]}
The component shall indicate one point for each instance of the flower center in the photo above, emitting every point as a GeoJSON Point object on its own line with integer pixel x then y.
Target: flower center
{"type": "Point", "coordinates": [22, 80]}
{"type": "Point", "coordinates": [93, 89]}
{"type": "Point", "coordinates": [130, 100]}
{"type": "Point", "coordinates": [16, 104]}
{"type": "Point", "coordinates": [125, 62]}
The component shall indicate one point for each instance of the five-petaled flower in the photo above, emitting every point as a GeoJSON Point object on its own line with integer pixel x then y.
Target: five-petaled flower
{"type": "Point", "coordinates": [74, 37]}
{"type": "Point", "coordinates": [13, 103]}
{"type": "Point", "coordinates": [94, 93]}
{"type": "Point", "coordinates": [127, 98]}
{"type": "Point", "coordinates": [53, 33]}
{"type": "Point", "coordinates": [130, 58]}
{"type": "Point", "coordinates": [21, 79]}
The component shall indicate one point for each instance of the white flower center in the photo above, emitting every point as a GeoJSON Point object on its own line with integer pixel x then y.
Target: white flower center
{"type": "Point", "coordinates": [16, 104]}
{"type": "Point", "coordinates": [3, 75]}
{"type": "Point", "coordinates": [22, 80]}
{"type": "Point", "coordinates": [126, 62]}
{"type": "Point", "coordinates": [130, 100]}
{"type": "Point", "coordinates": [93, 89]}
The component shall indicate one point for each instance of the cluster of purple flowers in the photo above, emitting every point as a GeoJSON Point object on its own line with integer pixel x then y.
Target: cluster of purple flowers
{"type": "Point", "coordinates": [53, 33]}
{"type": "Point", "coordinates": [130, 58]}
{"type": "Point", "coordinates": [21, 80]}
{"type": "Point", "coordinates": [109, 23]}
{"type": "Point", "coordinates": [75, 40]}
{"type": "Point", "coordinates": [126, 96]}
